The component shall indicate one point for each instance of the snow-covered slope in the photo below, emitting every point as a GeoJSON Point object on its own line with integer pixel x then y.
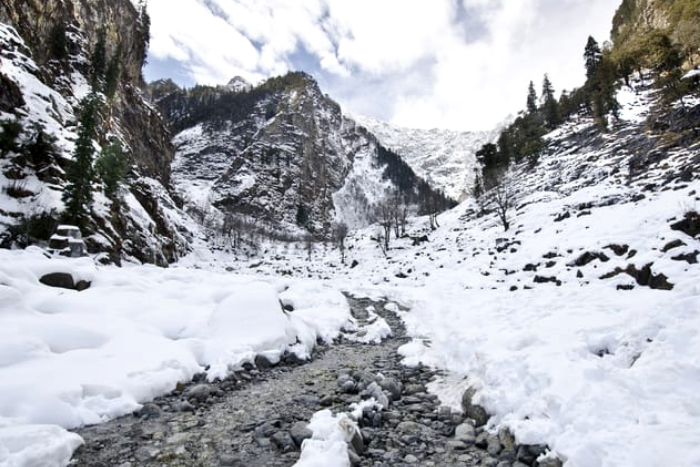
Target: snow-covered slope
{"type": "Point", "coordinates": [282, 153]}
{"type": "Point", "coordinates": [41, 86]}
{"type": "Point", "coordinates": [444, 158]}
{"type": "Point", "coordinates": [579, 327]}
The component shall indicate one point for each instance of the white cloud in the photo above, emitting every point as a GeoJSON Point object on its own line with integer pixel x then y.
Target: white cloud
{"type": "Point", "coordinates": [440, 63]}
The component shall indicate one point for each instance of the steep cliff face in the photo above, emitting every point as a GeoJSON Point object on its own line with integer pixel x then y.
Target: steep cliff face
{"type": "Point", "coordinates": [49, 50]}
{"type": "Point", "coordinates": [680, 19]}
{"type": "Point", "coordinates": [444, 158]}
{"type": "Point", "coordinates": [125, 30]}
{"type": "Point", "coordinates": [281, 152]}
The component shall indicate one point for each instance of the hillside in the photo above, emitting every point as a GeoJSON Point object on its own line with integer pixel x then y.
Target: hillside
{"type": "Point", "coordinates": [550, 320]}
{"type": "Point", "coordinates": [445, 159]}
{"type": "Point", "coordinates": [55, 54]}
{"type": "Point", "coordinates": [584, 314]}
{"type": "Point", "coordinates": [282, 153]}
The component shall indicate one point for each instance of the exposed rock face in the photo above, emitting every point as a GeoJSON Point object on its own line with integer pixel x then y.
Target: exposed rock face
{"type": "Point", "coordinates": [281, 152]}
{"type": "Point", "coordinates": [445, 158]}
{"type": "Point", "coordinates": [124, 28]}
{"type": "Point", "coordinates": [46, 48]}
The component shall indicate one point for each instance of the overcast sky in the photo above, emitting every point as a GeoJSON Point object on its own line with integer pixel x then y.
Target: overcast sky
{"type": "Point", "coordinates": [459, 64]}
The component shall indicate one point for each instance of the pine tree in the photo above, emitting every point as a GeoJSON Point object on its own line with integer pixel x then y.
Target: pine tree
{"type": "Point", "coordinates": [9, 133]}
{"type": "Point", "coordinates": [98, 59]}
{"type": "Point", "coordinates": [531, 99]}
{"type": "Point", "coordinates": [59, 42]}
{"type": "Point", "coordinates": [550, 105]}
{"type": "Point", "coordinates": [592, 56]}
{"type": "Point", "coordinates": [112, 168]}
{"type": "Point", "coordinates": [77, 194]}
{"type": "Point", "coordinates": [113, 74]}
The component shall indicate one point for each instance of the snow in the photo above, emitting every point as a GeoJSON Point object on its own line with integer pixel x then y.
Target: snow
{"type": "Point", "coordinates": [328, 447]}
{"type": "Point", "coordinates": [604, 377]}
{"type": "Point", "coordinates": [444, 158]}
{"type": "Point", "coordinates": [70, 358]}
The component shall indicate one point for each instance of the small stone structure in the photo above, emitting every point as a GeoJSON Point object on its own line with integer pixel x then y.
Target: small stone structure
{"type": "Point", "coordinates": [67, 241]}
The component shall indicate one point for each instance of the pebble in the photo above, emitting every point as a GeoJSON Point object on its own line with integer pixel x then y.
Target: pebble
{"type": "Point", "coordinates": [260, 416]}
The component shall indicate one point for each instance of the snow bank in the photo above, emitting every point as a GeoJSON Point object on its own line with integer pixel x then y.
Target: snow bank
{"type": "Point", "coordinates": [70, 358]}
{"type": "Point", "coordinates": [328, 447]}
{"type": "Point", "coordinates": [604, 377]}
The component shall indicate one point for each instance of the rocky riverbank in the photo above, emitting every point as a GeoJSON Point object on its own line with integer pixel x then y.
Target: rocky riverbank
{"type": "Point", "coordinates": [258, 416]}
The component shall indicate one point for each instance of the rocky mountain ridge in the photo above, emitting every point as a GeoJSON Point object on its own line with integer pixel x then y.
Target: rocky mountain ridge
{"type": "Point", "coordinates": [283, 152]}
{"type": "Point", "coordinates": [444, 158]}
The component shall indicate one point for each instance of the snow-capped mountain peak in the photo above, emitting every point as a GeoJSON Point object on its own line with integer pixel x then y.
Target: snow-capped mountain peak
{"type": "Point", "coordinates": [444, 158]}
{"type": "Point", "coordinates": [238, 84]}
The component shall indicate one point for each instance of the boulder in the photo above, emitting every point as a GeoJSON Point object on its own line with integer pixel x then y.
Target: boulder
{"type": "Point", "coordinates": [473, 410]}
{"type": "Point", "coordinates": [64, 280]}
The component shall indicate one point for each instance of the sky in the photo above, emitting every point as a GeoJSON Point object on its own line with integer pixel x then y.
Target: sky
{"type": "Point", "coordinates": [455, 64]}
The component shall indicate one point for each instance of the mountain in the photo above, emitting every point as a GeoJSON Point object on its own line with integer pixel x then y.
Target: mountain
{"type": "Point", "coordinates": [282, 153]}
{"type": "Point", "coordinates": [444, 158]}
{"type": "Point", "coordinates": [54, 54]}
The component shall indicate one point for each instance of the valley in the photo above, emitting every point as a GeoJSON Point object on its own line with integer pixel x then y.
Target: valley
{"type": "Point", "coordinates": [270, 279]}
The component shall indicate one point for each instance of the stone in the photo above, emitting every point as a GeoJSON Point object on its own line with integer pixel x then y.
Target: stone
{"type": "Point", "coordinates": [348, 387]}
{"type": "Point", "coordinates": [409, 427]}
{"type": "Point", "coordinates": [493, 445]}
{"type": "Point", "coordinates": [149, 411]}
{"type": "Point", "coordinates": [283, 441]}
{"type": "Point", "coordinates": [550, 462]}
{"type": "Point", "coordinates": [473, 410]}
{"type": "Point", "coordinates": [455, 445]}
{"type": "Point", "coordinates": [198, 392]}
{"type": "Point", "coordinates": [356, 443]}
{"type": "Point", "coordinates": [300, 432]}
{"type": "Point", "coordinates": [507, 439]}
{"type": "Point", "coordinates": [465, 433]}
{"type": "Point", "coordinates": [391, 386]}
{"type": "Point", "coordinates": [375, 391]}
{"type": "Point", "coordinates": [410, 459]}
{"type": "Point", "coordinates": [262, 362]}
{"type": "Point", "coordinates": [185, 406]}
{"type": "Point", "coordinates": [62, 280]}
{"type": "Point", "coordinates": [354, 459]}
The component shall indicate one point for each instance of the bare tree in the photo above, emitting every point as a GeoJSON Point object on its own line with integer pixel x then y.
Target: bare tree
{"type": "Point", "coordinates": [340, 233]}
{"type": "Point", "coordinates": [499, 196]}
{"type": "Point", "coordinates": [309, 244]}
{"type": "Point", "coordinates": [385, 217]}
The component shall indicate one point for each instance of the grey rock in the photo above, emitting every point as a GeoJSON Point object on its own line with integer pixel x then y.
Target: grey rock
{"type": "Point", "coordinates": [283, 441]}
{"type": "Point", "coordinates": [550, 462]}
{"type": "Point", "coordinates": [300, 432]}
{"type": "Point", "coordinates": [473, 410]}
{"type": "Point", "coordinates": [61, 280]}
{"type": "Point", "coordinates": [185, 406]}
{"type": "Point", "coordinates": [198, 392]}
{"type": "Point", "coordinates": [493, 445]}
{"type": "Point", "coordinates": [507, 439]}
{"type": "Point", "coordinates": [466, 433]}
{"type": "Point", "coordinates": [355, 460]}
{"type": "Point", "coordinates": [357, 444]}
{"type": "Point", "coordinates": [413, 389]}
{"type": "Point", "coordinates": [375, 391]}
{"type": "Point", "coordinates": [410, 459]}
{"type": "Point", "coordinates": [456, 445]}
{"type": "Point", "coordinates": [263, 362]}
{"type": "Point", "coordinates": [149, 411]}
{"type": "Point", "coordinates": [348, 387]}
{"type": "Point", "coordinates": [392, 387]}
{"type": "Point", "coordinates": [409, 427]}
